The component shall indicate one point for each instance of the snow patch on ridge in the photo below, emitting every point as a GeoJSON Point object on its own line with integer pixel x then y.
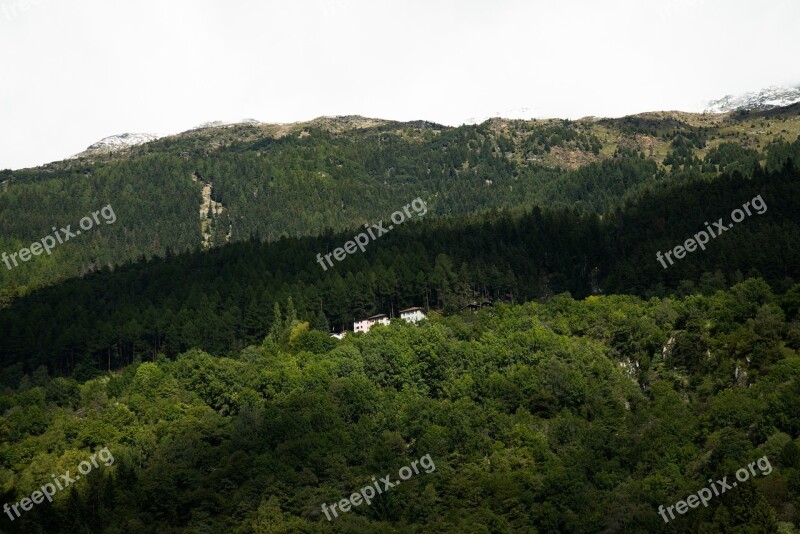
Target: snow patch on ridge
{"type": "Point", "coordinates": [125, 140]}
{"type": "Point", "coordinates": [218, 124]}
{"type": "Point", "coordinates": [524, 113]}
{"type": "Point", "coordinates": [769, 98]}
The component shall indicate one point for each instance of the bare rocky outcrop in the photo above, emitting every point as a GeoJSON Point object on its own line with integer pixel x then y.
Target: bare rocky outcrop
{"type": "Point", "coordinates": [211, 213]}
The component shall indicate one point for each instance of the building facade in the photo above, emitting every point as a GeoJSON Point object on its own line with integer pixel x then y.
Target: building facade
{"type": "Point", "coordinates": [412, 315]}
{"type": "Point", "coordinates": [365, 324]}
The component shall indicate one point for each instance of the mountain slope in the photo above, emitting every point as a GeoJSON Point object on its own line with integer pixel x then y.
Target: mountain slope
{"type": "Point", "coordinates": [341, 172]}
{"type": "Point", "coordinates": [223, 299]}
{"type": "Point", "coordinates": [561, 416]}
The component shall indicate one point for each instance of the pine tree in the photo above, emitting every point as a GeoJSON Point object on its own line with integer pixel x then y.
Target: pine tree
{"type": "Point", "coordinates": [291, 314]}
{"type": "Point", "coordinates": [321, 322]}
{"type": "Point", "coordinates": [276, 328]}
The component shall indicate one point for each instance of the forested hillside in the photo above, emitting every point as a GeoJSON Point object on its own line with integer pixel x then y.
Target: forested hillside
{"type": "Point", "coordinates": [224, 299]}
{"type": "Point", "coordinates": [562, 416]}
{"type": "Point", "coordinates": [522, 306]}
{"type": "Point", "coordinates": [352, 172]}
{"type": "Point", "coordinates": [596, 385]}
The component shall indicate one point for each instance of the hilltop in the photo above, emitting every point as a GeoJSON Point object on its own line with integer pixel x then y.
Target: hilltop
{"type": "Point", "coordinates": [222, 183]}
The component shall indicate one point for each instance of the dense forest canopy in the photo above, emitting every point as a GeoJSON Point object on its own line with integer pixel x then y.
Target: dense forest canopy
{"type": "Point", "coordinates": [187, 344]}
{"type": "Point", "coordinates": [225, 298]}
{"type": "Point", "coordinates": [561, 416]}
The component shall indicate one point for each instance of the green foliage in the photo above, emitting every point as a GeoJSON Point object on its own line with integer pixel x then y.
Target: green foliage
{"type": "Point", "coordinates": [320, 179]}
{"type": "Point", "coordinates": [542, 417]}
{"type": "Point", "coordinates": [212, 377]}
{"type": "Point", "coordinates": [239, 295]}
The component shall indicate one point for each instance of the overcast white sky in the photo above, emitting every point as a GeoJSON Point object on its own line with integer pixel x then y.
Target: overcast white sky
{"type": "Point", "coordinates": [75, 71]}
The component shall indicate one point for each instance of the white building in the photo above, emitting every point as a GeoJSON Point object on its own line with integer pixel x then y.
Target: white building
{"type": "Point", "coordinates": [365, 324]}
{"type": "Point", "coordinates": [340, 335]}
{"type": "Point", "coordinates": [412, 315]}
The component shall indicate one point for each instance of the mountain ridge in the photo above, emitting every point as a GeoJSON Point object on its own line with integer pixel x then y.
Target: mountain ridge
{"type": "Point", "coordinates": [299, 179]}
{"type": "Point", "coordinates": [765, 99]}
